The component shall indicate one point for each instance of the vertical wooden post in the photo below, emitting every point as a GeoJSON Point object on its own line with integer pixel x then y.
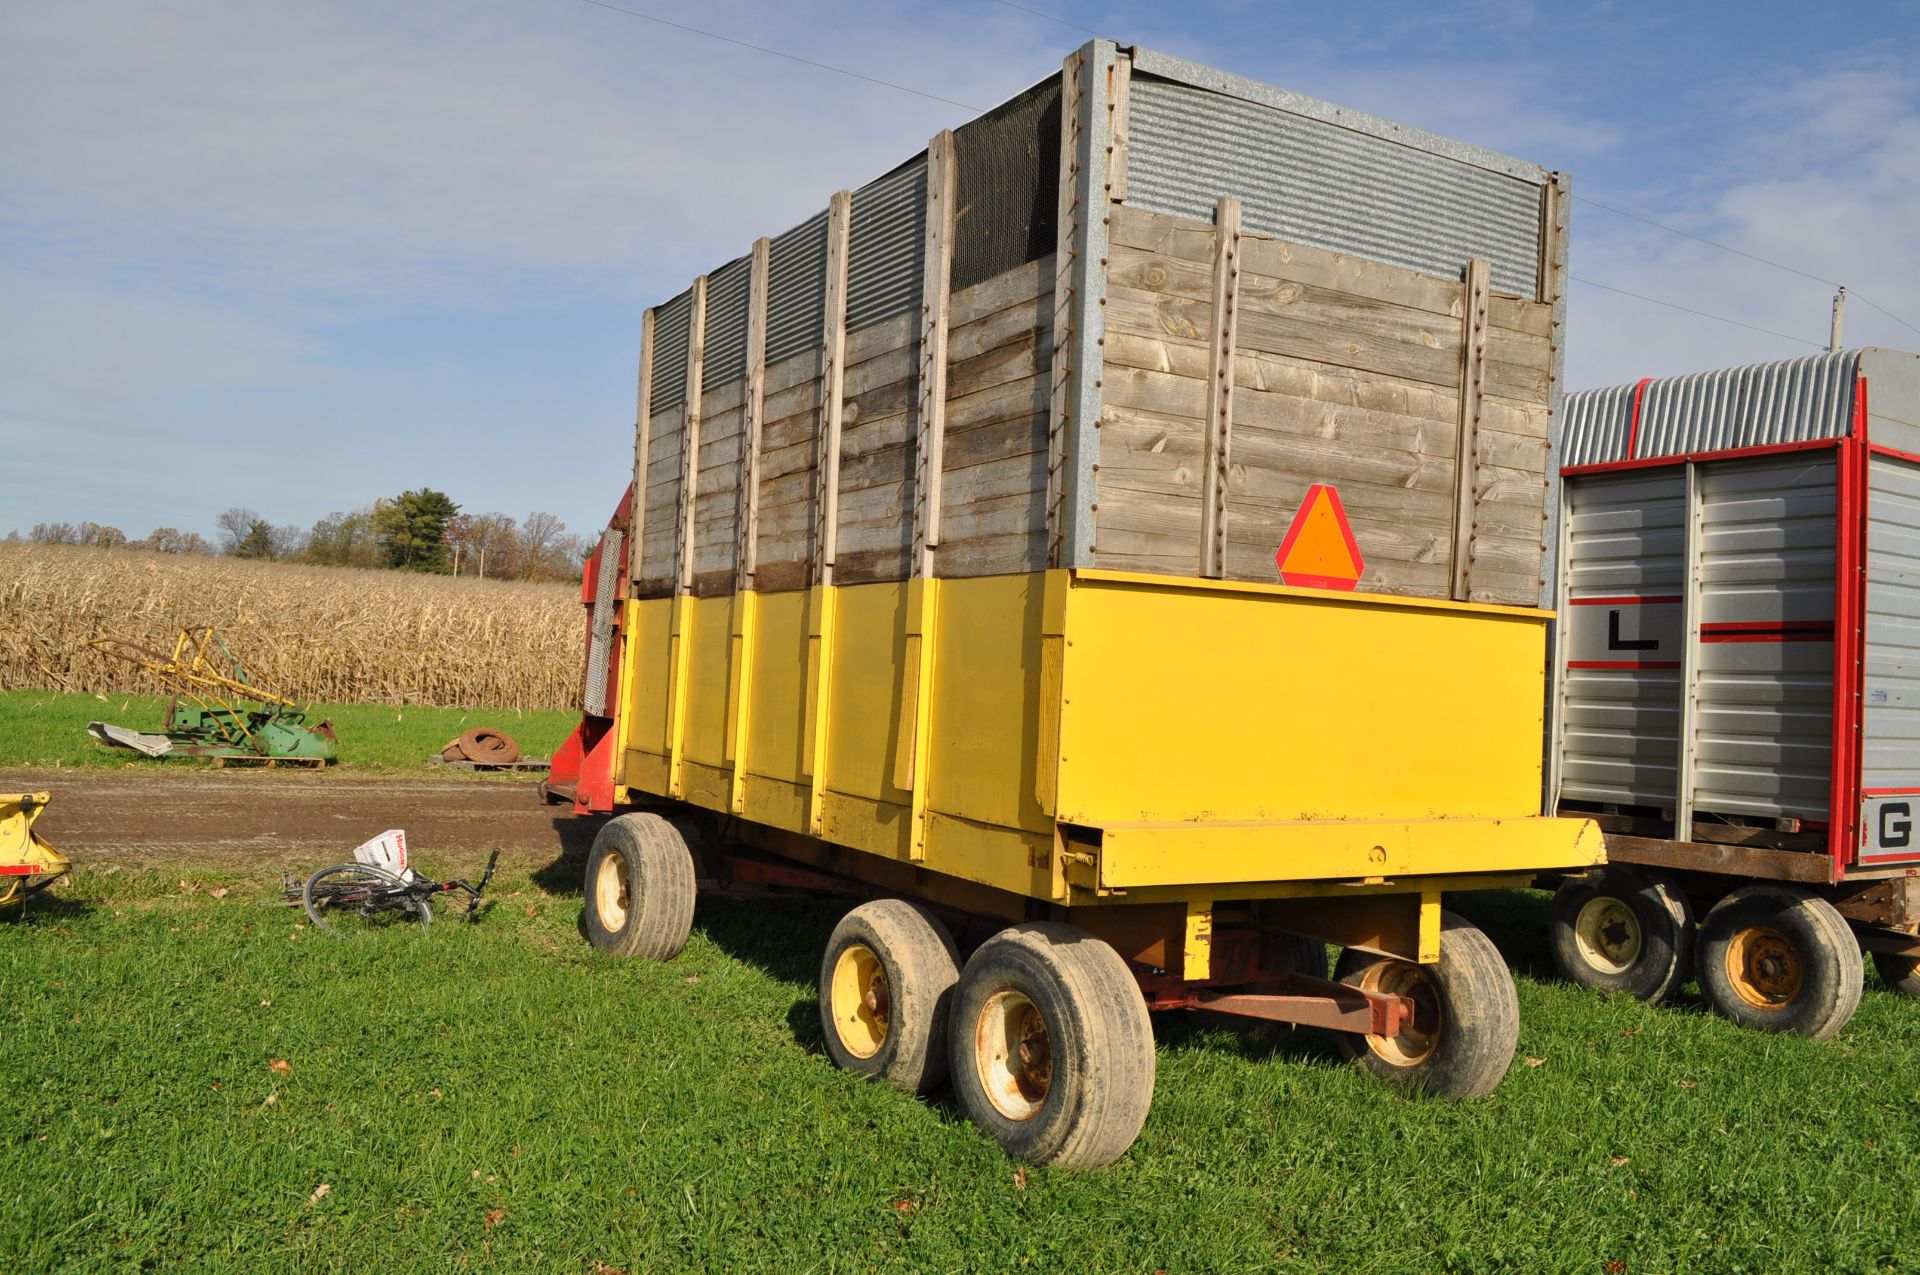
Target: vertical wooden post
{"type": "Point", "coordinates": [1473, 376]}
{"type": "Point", "coordinates": [832, 384]}
{"type": "Point", "coordinates": [680, 639]}
{"type": "Point", "coordinates": [1219, 438]}
{"type": "Point", "coordinates": [1065, 274]}
{"type": "Point", "coordinates": [747, 560]}
{"type": "Point", "coordinates": [746, 602]}
{"type": "Point", "coordinates": [820, 623]}
{"type": "Point", "coordinates": [1120, 113]}
{"type": "Point", "coordinates": [923, 590]}
{"type": "Point", "coordinates": [642, 433]}
{"type": "Point", "coordinates": [690, 435]}
{"type": "Point", "coordinates": [930, 448]}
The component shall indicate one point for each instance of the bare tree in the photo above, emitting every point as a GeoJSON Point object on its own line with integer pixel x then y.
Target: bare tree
{"type": "Point", "coordinates": [235, 525]}
{"type": "Point", "coordinates": [54, 533]}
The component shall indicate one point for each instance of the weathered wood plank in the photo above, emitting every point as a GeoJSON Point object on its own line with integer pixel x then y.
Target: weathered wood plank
{"type": "Point", "coordinates": [990, 296]}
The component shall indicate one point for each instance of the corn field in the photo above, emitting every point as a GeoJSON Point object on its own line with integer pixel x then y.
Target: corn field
{"type": "Point", "coordinates": [314, 633]}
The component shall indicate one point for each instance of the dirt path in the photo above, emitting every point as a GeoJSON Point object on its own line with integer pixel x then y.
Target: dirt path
{"type": "Point", "coordinates": [273, 818]}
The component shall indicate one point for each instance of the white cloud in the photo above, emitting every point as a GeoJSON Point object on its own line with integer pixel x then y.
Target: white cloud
{"type": "Point", "coordinates": [1825, 179]}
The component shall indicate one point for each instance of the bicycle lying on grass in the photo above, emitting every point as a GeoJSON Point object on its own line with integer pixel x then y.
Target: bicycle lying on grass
{"type": "Point", "coordinates": [378, 890]}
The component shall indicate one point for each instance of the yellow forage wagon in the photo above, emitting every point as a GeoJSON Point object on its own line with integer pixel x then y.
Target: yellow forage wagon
{"type": "Point", "coordinates": [1114, 535]}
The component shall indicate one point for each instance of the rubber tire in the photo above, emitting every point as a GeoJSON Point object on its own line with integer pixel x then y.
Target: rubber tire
{"type": "Point", "coordinates": [1900, 973]}
{"type": "Point", "coordinates": [1101, 1042]}
{"type": "Point", "coordinates": [1480, 1016]}
{"type": "Point", "coordinates": [1666, 922]}
{"type": "Point", "coordinates": [660, 888]}
{"type": "Point", "coordinates": [1835, 971]}
{"type": "Point", "coordinates": [922, 967]}
{"type": "Point", "coordinates": [422, 912]}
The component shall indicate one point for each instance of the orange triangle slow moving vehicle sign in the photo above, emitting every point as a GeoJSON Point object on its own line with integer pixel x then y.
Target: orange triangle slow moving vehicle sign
{"type": "Point", "coordinates": [1319, 552]}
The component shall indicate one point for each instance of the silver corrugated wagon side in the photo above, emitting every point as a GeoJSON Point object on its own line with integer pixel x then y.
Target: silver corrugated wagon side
{"type": "Point", "coordinates": [1737, 692]}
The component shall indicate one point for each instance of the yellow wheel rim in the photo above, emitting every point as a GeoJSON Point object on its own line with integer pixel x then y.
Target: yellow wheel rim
{"type": "Point", "coordinates": [1420, 1032]}
{"type": "Point", "coordinates": [1013, 1054]}
{"type": "Point", "coordinates": [612, 892]}
{"type": "Point", "coordinates": [861, 1002]}
{"type": "Point", "coordinates": [1608, 935]}
{"type": "Point", "coordinates": [1764, 967]}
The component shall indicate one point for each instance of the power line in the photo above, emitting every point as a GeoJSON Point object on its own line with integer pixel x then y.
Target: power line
{"type": "Point", "coordinates": [1717, 318]}
{"type": "Point", "coordinates": [1052, 18]}
{"type": "Point", "coordinates": [779, 53]}
{"type": "Point", "coordinates": [1741, 252]}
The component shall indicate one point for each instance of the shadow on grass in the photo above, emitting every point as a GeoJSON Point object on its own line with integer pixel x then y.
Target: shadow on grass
{"type": "Point", "coordinates": [47, 908]}
{"type": "Point", "coordinates": [566, 875]}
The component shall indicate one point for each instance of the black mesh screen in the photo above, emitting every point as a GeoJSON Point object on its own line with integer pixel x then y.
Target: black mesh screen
{"type": "Point", "coordinates": [1007, 186]}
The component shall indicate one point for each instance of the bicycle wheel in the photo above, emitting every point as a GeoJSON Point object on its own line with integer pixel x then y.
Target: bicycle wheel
{"type": "Point", "coordinates": [350, 897]}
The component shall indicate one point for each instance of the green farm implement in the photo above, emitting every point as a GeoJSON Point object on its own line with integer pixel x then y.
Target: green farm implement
{"type": "Point", "coordinates": [220, 709]}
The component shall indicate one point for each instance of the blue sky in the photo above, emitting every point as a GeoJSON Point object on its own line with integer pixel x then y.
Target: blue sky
{"type": "Point", "coordinates": [297, 256]}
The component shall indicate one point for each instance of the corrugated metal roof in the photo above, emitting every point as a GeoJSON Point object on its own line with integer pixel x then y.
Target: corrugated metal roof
{"type": "Point", "coordinates": [1760, 405]}
{"type": "Point", "coordinates": [1313, 181]}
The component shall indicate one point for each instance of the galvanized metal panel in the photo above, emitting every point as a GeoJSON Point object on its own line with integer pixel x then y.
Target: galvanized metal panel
{"type": "Point", "coordinates": [1321, 178]}
{"type": "Point", "coordinates": [1890, 744]}
{"type": "Point", "coordinates": [671, 319]}
{"type": "Point", "coordinates": [887, 245]}
{"type": "Point", "coordinates": [1596, 426]}
{"type": "Point", "coordinates": [1893, 397]}
{"type": "Point", "coordinates": [1621, 634]}
{"type": "Point", "coordinates": [1792, 401]}
{"type": "Point", "coordinates": [797, 288]}
{"type": "Point", "coordinates": [600, 629]}
{"type": "Point", "coordinates": [1760, 405]}
{"type": "Point", "coordinates": [1763, 744]}
{"type": "Point", "coordinates": [725, 356]}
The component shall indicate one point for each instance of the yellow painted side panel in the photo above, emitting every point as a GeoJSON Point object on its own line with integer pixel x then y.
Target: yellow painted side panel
{"type": "Point", "coordinates": [1351, 849]}
{"type": "Point", "coordinates": [777, 725]}
{"type": "Point", "coordinates": [776, 803]}
{"type": "Point", "coordinates": [864, 719]}
{"type": "Point", "coordinates": [708, 786]}
{"type": "Point", "coordinates": [989, 692]}
{"type": "Point", "coordinates": [709, 680]}
{"type": "Point", "coordinates": [644, 681]}
{"type": "Point", "coordinates": [1003, 857]}
{"type": "Point", "coordinates": [1186, 702]}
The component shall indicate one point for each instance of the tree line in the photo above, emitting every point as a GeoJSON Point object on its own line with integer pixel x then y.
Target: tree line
{"type": "Point", "coordinates": [421, 530]}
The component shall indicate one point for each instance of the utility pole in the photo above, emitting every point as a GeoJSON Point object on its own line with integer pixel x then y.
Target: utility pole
{"type": "Point", "coordinates": [1839, 314]}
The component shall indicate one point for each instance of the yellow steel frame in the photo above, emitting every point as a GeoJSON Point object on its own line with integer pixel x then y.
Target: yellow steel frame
{"type": "Point", "coordinates": [1099, 738]}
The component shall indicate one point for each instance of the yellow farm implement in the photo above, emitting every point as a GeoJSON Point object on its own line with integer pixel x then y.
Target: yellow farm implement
{"type": "Point", "coordinates": [28, 864]}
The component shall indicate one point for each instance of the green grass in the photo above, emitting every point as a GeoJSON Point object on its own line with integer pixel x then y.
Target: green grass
{"type": "Point", "coordinates": [49, 728]}
{"type": "Point", "coordinates": [608, 1114]}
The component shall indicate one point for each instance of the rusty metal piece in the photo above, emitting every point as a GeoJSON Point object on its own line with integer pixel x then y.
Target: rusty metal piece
{"type": "Point", "coordinates": [484, 746]}
{"type": "Point", "coordinates": [1314, 1002]}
